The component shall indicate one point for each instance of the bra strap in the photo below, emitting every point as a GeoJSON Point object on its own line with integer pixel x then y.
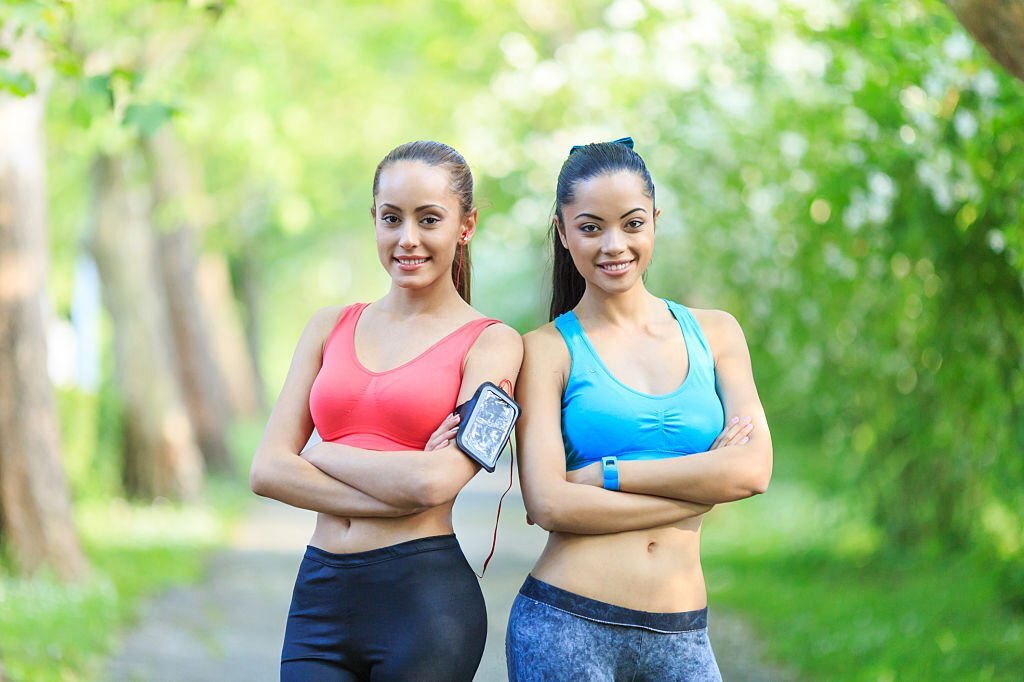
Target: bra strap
{"type": "Point", "coordinates": [568, 325]}
{"type": "Point", "coordinates": [697, 344]}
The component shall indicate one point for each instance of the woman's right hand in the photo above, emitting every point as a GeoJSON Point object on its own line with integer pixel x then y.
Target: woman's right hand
{"type": "Point", "coordinates": [444, 433]}
{"type": "Point", "coordinates": [736, 432]}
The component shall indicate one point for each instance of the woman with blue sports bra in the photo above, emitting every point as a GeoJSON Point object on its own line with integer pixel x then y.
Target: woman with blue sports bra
{"type": "Point", "coordinates": [639, 414]}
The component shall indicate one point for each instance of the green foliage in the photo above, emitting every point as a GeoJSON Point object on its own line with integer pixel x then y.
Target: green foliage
{"type": "Point", "coordinates": [19, 84]}
{"type": "Point", "coordinates": [147, 118]}
{"type": "Point", "coordinates": [829, 599]}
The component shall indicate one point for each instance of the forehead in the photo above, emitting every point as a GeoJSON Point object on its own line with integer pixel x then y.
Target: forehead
{"type": "Point", "coordinates": [414, 181]}
{"type": "Point", "coordinates": [610, 192]}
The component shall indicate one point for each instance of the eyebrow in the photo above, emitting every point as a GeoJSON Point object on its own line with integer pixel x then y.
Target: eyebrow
{"type": "Point", "coordinates": [418, 208]}
{"type": "Point", "coordinates": [595, 217]}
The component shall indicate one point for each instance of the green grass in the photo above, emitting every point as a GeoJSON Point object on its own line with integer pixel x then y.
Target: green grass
{"type": "Point", "coordinates": [833, 603]}
{"type": "Point", "coordinates": [53, 631]}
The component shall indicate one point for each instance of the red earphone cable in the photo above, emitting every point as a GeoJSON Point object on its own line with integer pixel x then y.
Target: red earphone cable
{"type": "Point", "coordinates": [511, 476]}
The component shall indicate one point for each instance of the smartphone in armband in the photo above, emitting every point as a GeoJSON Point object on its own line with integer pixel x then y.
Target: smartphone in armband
{"type": "Point", "coordinates": [486, 424]}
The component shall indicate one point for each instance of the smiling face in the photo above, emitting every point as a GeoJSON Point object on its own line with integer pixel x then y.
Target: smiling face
{"type": "Point", "coordinates": [418, 223]}
{"type": "Point", "coordinates": [608, 229]}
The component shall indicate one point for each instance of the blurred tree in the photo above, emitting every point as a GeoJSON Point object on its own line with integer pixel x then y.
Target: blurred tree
{"type": "Point", "coordinates": [203, 384]}
{"type": "Point", "coordinates": [161, 455]}
{"type": "Point", "coordinates": [35, 509]}
{"type": "Point", "coordinates": [998, 25]}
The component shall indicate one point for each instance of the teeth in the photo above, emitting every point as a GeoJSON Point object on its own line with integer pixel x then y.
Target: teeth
{"type": "Point", "coordinates": [411, 261]}
{"type": "Point", "coordinates": [616, 267]}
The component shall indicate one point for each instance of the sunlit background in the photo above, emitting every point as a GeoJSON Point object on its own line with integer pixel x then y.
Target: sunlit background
{"type": "Point", "coordinates": [845, 177]}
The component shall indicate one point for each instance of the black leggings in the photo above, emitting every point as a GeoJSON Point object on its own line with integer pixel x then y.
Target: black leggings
{"type": "Point", "coordinates": [411, 611]}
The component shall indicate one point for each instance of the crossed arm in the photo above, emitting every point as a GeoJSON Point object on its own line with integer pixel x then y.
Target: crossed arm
{"type": "Point", "coordinates": [348, 481]}
{"type": "Point", "coordinates": [278, 472]}
{"type": "Point", "coordinates": [736, 471]}
{"type": "Point", "coordinates": [412, 478]}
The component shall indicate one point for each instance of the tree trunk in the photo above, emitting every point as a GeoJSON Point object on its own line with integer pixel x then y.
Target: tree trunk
{"type": "Point", "coordinates": [245, 392]}
{"type": "Point", "coordinates": [251, 222]}
{"type": "Point", "coordinates": [161, 456]}
{"type": "Point", "coordinates": [201, 380]}
{"type": "Point", "coordinates": [999, 26]}
{"type": "Point", "coordinates": [35, 505]}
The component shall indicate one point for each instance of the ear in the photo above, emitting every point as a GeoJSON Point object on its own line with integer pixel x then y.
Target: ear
{"type": "Point", "coordinates": [657, 213]}
{"type": "Point", "coordinates": [469, 226]}
{"type": "Point", "coordinates": [561, 233]}
{"type": "Point", "coordinates": [373, 211]}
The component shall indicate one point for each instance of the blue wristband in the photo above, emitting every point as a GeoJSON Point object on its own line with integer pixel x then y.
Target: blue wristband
{"type": "Point", "coordinates": [610, 467]}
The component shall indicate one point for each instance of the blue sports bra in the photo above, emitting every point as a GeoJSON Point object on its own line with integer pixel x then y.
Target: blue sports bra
{"type": "Point", "coordinates": [601, 416]}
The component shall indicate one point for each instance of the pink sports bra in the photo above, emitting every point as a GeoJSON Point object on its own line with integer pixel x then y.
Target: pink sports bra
{"type": "Point", "coordinates": [393, 410]}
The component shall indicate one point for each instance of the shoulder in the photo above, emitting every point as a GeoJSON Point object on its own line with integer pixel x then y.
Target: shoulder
{"type": "Point", "coordinates": [320, 325]}
{"type": "Point", "coordinates": [545, 347]}
{"type": "Point", "coordinates": [324, 319]}
{"type": "Point", "coordinates": [500, 338]}
{"type": "Point", "coordinates": [722, 329]}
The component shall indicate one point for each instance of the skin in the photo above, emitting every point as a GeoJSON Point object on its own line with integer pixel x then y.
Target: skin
{"type": "Point", "coordinates": [365, 498]}
{"type": "Point", "coordinates": [638, 547]}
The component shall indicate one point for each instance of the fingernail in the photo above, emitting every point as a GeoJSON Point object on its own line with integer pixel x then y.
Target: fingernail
{"type": "Point", "coordinates": [744, 441]}
{"type": "Point", "coordinates": [748, 419]}
{"type": "Point", "coordinates": [734, 420]}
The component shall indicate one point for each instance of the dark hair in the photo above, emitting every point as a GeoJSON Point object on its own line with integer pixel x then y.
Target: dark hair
{"type": "Point", "coordinates": [585, 162]}
{"type": "Point", "coordinates": [461, 185]}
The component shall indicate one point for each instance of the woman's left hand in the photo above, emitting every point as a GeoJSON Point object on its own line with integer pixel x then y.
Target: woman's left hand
{"type": "Point", "coordinates": [444, 433]}
{"type": "Point", "coordinates": [588, 475]}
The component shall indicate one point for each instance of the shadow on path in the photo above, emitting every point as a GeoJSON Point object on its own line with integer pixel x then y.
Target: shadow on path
{"type": "Point", "coordinates": [230, 626]}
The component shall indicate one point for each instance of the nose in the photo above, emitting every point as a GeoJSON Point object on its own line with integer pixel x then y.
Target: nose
{"type": "Point", "coordinates": [409, 238]}
{"type": "Point", "coordinates": [613, 242]}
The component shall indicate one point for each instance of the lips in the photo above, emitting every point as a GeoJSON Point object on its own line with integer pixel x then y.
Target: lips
{"type": "Point", "coordinates": [615, 268]}
{"type": "Point", "coordinates": [410, 262]}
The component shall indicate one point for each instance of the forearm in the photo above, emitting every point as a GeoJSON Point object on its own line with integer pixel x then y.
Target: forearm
{"type": "Point", "coordinates": [402, 478]}
{"type": "Point", "coordinates": [723, 475]}
{"type": "Point", "coordinates": [586, 510]}
{"type": "Point", "coordinates": [294, 481]}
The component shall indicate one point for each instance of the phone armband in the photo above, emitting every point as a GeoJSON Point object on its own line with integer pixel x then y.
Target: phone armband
{"type": "Point", "coordinates": [486, 424]}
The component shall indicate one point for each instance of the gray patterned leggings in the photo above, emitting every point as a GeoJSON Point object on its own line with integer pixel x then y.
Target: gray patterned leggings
{"type": "Point", "coordinates": [555, 636]}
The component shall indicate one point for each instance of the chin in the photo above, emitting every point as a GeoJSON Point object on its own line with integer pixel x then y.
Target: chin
{"type": "Point", "coordinates": [614, 286]}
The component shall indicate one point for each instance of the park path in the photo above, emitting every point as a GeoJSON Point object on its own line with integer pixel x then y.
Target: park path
{"type": "Point", "coordinates": [230, 626]}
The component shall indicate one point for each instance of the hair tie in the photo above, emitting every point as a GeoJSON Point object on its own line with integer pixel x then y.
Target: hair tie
{"type": "Point", "coordinates": [624, 141]}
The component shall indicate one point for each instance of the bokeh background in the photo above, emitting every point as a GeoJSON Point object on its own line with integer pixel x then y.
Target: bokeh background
{"type": "Point", "coordinates": [183, 183]}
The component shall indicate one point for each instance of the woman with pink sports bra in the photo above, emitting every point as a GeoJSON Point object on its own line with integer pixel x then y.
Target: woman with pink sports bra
{"type": "Point", "coordinates": [384, 591]}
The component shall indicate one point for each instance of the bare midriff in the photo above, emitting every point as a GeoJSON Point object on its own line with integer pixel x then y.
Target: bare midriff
{"type": "Point", "coordinates": [656, 570]}
{"type": "Point", "coordinates": [342, 535]}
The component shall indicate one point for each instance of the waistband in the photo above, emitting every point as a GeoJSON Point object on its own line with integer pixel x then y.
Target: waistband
{"type": "Point", "coordinates": [374, 556]}
{"type": "Point", "coordinates": [600, 612]}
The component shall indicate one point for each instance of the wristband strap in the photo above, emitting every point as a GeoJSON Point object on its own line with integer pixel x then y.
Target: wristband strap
{"type": "Point", "coordinates": [610, 468]}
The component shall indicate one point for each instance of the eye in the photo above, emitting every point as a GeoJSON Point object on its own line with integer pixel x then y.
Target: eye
{"type": "Point", "coordinates": [430, 220]}
{"type": "Point", "coordinates": [635, 224]}
{"type": "Point", "coordinates": [589, 228]}
{"type": "Point", "coordinates": [390, 219]}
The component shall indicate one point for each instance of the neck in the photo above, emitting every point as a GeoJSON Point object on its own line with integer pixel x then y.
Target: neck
{"type": "Point", "coordinates": [440, 296]}
{"type": "Point", "coordinates": [633, 305]}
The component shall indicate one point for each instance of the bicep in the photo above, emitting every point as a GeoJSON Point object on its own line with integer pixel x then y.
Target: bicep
{"type": "Point", "coordinates": [539, 431]}
{"type": "Point", "coordinates": [495, 357]}
{"type": "Point", "coordinates": [290, 423]}
{"type": "Point", "coordinates": [734, 379]}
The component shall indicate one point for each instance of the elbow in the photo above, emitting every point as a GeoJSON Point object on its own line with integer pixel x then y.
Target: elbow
{"type": "Point", "coordinates": [760, 477]}
{"type": "Point", "coordinates": [257, 481]}
{"type": "Point", "coordinates": [429, 491]}
{"type": "Point", "coordinates": [546, 515]}
{"type": "Point", "coordinates": [260, 480]}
